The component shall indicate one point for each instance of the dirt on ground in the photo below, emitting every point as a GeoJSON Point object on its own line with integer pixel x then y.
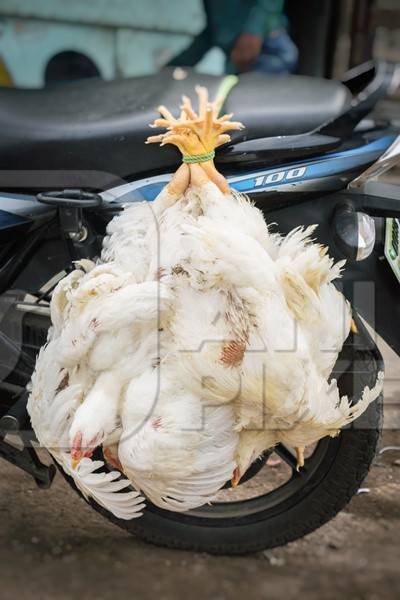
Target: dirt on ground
{"type": "Point", "coordinates": [54, 546]}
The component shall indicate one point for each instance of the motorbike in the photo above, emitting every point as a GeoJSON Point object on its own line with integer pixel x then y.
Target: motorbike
{"type": "Point", "coordinates": [73, 155]}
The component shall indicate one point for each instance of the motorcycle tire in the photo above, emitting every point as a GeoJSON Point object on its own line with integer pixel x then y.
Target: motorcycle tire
{"type": "Point", "coordinates": [339, 472]}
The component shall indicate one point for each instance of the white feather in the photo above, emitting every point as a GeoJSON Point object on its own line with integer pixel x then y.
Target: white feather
{"type": "Point", "coordinates": [196, 328]}
{"type": "Point", "coordinates": [175, 448]}
{"type": "Point", "coordinates": [51, 412]}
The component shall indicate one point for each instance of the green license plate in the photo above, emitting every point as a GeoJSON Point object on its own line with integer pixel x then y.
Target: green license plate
{"type": "Point", "coordinates": [392, 245]}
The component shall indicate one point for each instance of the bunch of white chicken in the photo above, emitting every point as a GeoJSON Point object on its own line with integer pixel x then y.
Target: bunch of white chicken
{"type": "Point", "coordinates": [198, 341]}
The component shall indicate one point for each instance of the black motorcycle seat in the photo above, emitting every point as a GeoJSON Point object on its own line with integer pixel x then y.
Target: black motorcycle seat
{"type": "Point", "coordinates": [101, 126]}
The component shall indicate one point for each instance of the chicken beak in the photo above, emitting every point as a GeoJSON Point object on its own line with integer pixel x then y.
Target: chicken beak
{"type": "Point", "coordinates": [76, 450]}
{"type": "Point", "coordinates": [236, 477]}
{"type": "Point", "coordinates": [75, 461]}
{"type": "Point", "coordinates": [353, 327]}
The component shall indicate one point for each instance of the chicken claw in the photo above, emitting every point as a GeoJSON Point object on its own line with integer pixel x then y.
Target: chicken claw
{"type": "Point", "coordinates": [196, 134]}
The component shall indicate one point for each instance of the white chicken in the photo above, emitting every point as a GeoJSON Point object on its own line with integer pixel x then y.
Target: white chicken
{"type": "Point", "coordinates": [174, 447]}
{"type": "Point", "coordinates": [197, 342]}
{"type": "Point", "coordinates": [52, 405]}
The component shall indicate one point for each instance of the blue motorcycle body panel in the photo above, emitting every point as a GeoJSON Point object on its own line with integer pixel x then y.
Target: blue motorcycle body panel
{"type": "Point", "coordinates": [331, 171]}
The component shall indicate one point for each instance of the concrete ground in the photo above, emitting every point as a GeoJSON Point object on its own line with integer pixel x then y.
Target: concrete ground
{"type": "Point", "coordinates": [53, 546]}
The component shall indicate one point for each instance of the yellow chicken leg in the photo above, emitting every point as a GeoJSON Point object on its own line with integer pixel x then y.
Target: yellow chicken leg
{"type": "Point", "coordinates": [180, 181]}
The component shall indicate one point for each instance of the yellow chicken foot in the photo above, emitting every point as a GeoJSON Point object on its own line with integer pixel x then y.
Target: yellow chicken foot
{"type": "Point", "coordinates": [353, 327]}
{"type": "Point", "coordinates": [300, 457]}
{"type": "Point", "coordinates": [196, 134]}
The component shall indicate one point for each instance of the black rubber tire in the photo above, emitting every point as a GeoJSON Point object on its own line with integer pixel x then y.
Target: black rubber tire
{"type": "Point", "coordinates": [337, 479]}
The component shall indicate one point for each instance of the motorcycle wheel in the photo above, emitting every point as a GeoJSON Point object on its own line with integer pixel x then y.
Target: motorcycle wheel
{"type": "Point", "coordinates": [331, 476]}
{"type": "Point", "coordinates": [306, 500]}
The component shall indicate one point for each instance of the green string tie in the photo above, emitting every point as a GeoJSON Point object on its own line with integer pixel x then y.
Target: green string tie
{"type": "Point", "coordinates": [198, 158]}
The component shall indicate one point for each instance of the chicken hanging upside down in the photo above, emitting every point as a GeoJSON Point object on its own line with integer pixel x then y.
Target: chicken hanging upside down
{"type": "Point", "coordinates": [197, 341]}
